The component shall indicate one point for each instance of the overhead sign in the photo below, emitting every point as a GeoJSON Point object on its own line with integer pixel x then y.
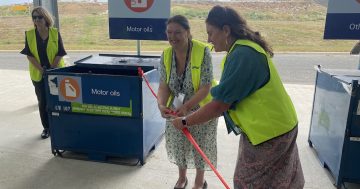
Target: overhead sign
{"type": "Point", "coordinates": [343, 20]}
{"type": "Point", "coordinates": [138, 19]}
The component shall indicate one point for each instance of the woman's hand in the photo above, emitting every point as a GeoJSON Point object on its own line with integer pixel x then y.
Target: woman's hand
{"type": "Point", "coordinates": [165, 111]}
{"type": "Point", "coordinates": [182, 110]}
{"type": "Point", "coordinates": [178, 123]}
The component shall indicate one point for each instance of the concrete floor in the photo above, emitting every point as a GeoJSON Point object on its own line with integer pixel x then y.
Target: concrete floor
{"type": "Point", "coordinates": [27, 162]}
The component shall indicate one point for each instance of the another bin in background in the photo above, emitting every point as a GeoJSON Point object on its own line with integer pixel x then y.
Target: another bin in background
{"type": "Point", "coordinates": [335, 123]}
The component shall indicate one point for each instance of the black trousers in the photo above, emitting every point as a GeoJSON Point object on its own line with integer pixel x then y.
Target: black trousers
{"type": "Point", "coordinates": [40, 94]}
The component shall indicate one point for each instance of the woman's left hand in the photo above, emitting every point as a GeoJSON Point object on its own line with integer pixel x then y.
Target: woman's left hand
{"type": "Point", "coordinates": [178, 123]}
{"type": "Point", "coordinates": [182, 111]}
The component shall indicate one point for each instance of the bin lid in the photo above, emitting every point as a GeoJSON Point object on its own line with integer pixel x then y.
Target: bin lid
{"type": "Point", "coordinates": [119, 61]}
{"type": "Point", "coordinates": [345, 75]}
{"type": "Point", "coordinates": [343, 72]}
{"type": "Point", "coordinates": [348, 79]}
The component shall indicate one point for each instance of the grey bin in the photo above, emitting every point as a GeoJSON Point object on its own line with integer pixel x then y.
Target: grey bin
{"type": "Point", "coordinates": [335, 123]}
{"type": "Point", "coordinates": [102, 108]}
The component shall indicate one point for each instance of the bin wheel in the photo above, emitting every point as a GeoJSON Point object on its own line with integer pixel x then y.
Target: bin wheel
{"type": "Point", "coordinates": [53, 152]}
{"type": "Point", "coordinates": [142, 161]}
{"type": "Point", "coordinates": [58, 152]}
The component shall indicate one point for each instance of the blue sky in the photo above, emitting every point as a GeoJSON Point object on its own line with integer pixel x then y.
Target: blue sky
{"type": "Point", "coordinates": [12, 2]}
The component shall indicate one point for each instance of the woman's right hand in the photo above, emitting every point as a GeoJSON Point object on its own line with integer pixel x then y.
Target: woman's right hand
{"type": "Point", "coordinates": [165, 111]}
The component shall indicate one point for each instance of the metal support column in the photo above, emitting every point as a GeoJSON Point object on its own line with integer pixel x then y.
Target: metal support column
{"type": "Point", "coordinates": [138, 45]}
{"type": "Point", "coordinates": [356, 51]}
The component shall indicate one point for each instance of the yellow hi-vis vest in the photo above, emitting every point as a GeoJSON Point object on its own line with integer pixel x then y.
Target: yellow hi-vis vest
{"type": "Point", "coordinates": [197, 58]}
{"type": "Point", "coordinates": [269, 111]}
{"type": "Point", "coordinates": [51, 51]}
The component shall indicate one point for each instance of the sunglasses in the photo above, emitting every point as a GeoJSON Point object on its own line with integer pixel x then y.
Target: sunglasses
{"type": "Point", "coordinates": [37, 17]}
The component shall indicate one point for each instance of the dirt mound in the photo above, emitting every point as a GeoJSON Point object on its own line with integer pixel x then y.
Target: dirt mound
{"type": "Point", "coordinates": [82, 8]}
{"type": "Point", "coordinates": [275, 5]}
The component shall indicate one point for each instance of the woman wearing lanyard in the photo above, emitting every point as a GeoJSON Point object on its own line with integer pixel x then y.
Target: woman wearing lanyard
{"type": "Point", "coordinates": [254, 102]}
{"type": "Point", "coordinates": [185, 80]}
{"type": "Point", "coordinates": [44, 50]}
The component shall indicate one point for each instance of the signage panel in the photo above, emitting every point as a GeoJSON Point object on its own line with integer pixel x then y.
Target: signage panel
{"type": "Point", "coordinates": [138, 19]}
{"type": "Point", "coordinates": [343, 20]}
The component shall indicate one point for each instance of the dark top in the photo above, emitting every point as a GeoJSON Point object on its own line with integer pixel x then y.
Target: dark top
{"type": "Point", "coordinates": [41, 46]}
{"type": "Point", "coordinates": [245, 71]}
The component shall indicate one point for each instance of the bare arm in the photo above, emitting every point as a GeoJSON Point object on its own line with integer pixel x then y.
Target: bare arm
{"type": "Point", "coordinates": [35, 63]}
{"type": "Point", "coordinates": [56, 62]}
{"type": "Point", "coordinates": [205, 113]}
{"type": "Point", "coordinates": [194, 100]}
{"type": "Point", "coordinates": [60, 54]}
{"type": "Point", "coordinates": [162, 97]}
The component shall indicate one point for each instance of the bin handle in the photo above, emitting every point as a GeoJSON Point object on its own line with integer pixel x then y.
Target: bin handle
{"type": "Point", "coordinates": [318, 68]}
{"type": "Point", "coordinates": [81, 60]}
{"type": "Point", "coordinates": [188, 135]}
{"type": "Point", "coordinates": [141, 74]}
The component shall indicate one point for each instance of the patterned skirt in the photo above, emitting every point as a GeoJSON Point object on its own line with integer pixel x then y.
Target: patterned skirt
{"type": "Point", "coordinates": [274, 164]}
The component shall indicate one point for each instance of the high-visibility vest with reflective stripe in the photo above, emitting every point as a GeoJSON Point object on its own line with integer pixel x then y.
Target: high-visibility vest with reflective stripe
{"type": "Point", "coordinates": [269, 111]}
{"type": "Point", "coordinates": [51, 50]}
{"type": "Point", "coordinates": [197, 58]}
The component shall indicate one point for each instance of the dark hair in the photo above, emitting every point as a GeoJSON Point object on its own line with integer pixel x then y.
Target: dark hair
{"type": "Point", "coordinates": [179, 19]}
{"type": "Point", "coordinates": [220, 16]}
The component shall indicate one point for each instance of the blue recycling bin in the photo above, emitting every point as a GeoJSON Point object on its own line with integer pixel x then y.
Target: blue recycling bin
{"type": "Point", "coordinates": [335, 123]}
{"type": "Point", "coordinates": [101, 107]}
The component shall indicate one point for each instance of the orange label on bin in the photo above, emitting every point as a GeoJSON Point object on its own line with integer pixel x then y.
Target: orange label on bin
{"type": "Point", "coordinates": [69, 88]}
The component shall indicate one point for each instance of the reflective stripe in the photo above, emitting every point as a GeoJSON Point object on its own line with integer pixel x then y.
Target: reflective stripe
{"type": "Point", "coordinates": [197, 58]}
{"type": "Point", "coordinates": [51, 50]}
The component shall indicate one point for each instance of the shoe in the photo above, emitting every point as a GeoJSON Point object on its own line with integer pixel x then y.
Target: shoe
{"type": "Point", "coordinates": [205, 185]}
{"type": "Point", "coordinates": [186, 182]}
{"type": "Point", "coordinates": [45, 134]}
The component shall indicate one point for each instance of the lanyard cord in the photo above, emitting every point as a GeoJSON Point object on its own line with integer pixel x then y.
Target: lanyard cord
{"type": "Point", "coordinates": [183, 75]}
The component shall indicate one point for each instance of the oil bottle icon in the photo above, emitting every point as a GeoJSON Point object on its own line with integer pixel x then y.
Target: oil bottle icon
{"type": "Point", "coordinates": [70, 91]}
{"type": "Point", "coordinates": [138, 3]}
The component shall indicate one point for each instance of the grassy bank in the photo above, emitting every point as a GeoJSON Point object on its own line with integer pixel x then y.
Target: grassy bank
{"type": "Point", "coordinates": [289, 27]}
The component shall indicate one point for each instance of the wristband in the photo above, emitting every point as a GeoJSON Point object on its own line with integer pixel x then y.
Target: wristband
{"type": "Point", "coordinates": [183, 121]}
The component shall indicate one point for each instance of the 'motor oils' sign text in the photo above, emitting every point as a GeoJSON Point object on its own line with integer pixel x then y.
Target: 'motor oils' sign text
{"type": "Point", "coordinates": [138, 19]}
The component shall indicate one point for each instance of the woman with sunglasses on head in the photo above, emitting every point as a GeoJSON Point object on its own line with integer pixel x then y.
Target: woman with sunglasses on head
{"type": "Point", "coordinates": [185, 80]}
{"type": "Point", "coordinates": [44, 50]}
{"type": "Point", "coordinates": [254, 103]}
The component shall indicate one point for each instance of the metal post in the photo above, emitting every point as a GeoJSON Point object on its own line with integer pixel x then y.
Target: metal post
{"type": "Point", "coordinates": [37, 3]}
{"type": "Point", "coordinates": [356, 51]}
{"type": "Point", "coordinates": [138, 45]}
{"type": "Point", "coordinates": [55, 13]}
